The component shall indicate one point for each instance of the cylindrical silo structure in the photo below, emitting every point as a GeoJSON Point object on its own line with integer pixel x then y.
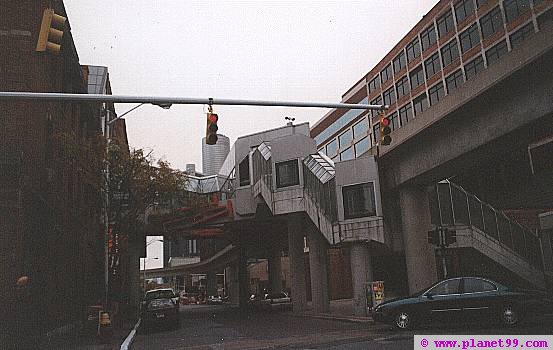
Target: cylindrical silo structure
{"type": "Point", "coordinates": [213, 156]}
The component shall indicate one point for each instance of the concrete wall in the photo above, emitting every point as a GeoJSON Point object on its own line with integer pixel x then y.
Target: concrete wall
{"type": "Point", "coordinates": [357, 171]}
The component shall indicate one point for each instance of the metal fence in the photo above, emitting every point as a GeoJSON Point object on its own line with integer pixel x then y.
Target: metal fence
{"type": "Point", "coordinates": [451, 205]}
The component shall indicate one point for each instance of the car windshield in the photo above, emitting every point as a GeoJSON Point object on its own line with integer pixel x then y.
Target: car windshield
{"type": "Point", "coordinates": [159, 294]}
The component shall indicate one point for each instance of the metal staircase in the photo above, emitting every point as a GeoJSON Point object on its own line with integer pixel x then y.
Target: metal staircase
{"type": "Point", "coordinates": [487, 230]}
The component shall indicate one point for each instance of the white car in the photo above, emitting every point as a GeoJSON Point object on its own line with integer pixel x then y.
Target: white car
{"type": "Point", "coordinates": [276, 301]}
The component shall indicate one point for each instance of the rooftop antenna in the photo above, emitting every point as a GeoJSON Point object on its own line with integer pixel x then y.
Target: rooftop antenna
{"type": "Point", "coordinates": [290, 119]}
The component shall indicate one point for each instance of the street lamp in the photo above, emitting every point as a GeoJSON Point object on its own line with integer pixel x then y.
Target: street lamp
{"type": "Point", "coordinates": [145, 259]}
{"type": "Point", "coordinates": [144, 278]}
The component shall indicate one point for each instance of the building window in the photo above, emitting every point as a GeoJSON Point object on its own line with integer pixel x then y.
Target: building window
{"type": "Point", "coordinates": [347, 154]}
{"type": "Point", "coordinates": [481, 2]}
{"type": "Point", "coordinates": [474, 67]}
{"type": "Point", "coordinates": [394, 121]}
{"type": "Point", "coordinates": [386, 74]}
{"type": "Point", "coordinates": [432, 65]}
{"type": "Point", "coordinates": [513, 8]}
{"type": "Point", "coordinates": [454, 80]}
{"type": "Point", "coordinates": [360, 129]}
{"type": "Point", "coordinates": [345, 138]}
{"type": "Point", "coordinates": [374, 84]}
{"type": "Point", "coordinates": [405, 114]}
{"type": "Point", "coordinates": [428, 37]}
{"type": "Point", "coordinates": [413, 50]}
{"type": "Point", "coordinates": [287, 173]}
{"type": "Point", "coordinates": [376, 132]}
{"type": "Point", "coordinates": [389, 96]}
{"type": "Point", "coordinates": [495, 52]}
{"type": "Point", "coordinates": [244, 171]}
{"type": "Point", "coordinates": [402, 87]}
{"type": "Point", "coordinates": [463, 9]}
{"type": "Point", "coordinates": [435, 93]}
{"type": "Point", "coordinates": [491, 23]}
{"type": "Point", "coordinates": [420, 104]}
{"type": "Point", "coordinates": [445, 24]}
{"type": "Point", "coordinates": [469, 38]}
{"type": "Point", "coordinates": [332, 148]}
{"type": "Point", "coordinates": [521, 34]}
{"type": "Point", "coordinates": [359, 200]}
{"type": "Point", "coordinates": [376, 101]}
{"type": "Point", "coordinates": [450, 52]}
{"type": "Point", "coordinates": [399, 62]}
{"type": "Point", "coordinates": [417, 77]}
{"type": "Point", "coordinates": [545, 18]}
{"type": "Point", "coordinates": [362, 147]}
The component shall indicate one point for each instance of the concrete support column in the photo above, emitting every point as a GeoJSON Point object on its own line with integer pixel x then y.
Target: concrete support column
{"type": "Point", "coordinates": [361, 272]}
{"type": "Point", "coordinates": [297, 263]}
{"type": "Point", "coordinates": [243, 294]}
{"type": "Point", "coordinates": [419, 255]}
{"type": "Point", "coordinates": [275, 279]}
{"type": "Point", "coordinates": [318, 266]}
{"type": "Point", "coordinates": [211, 283]}
{"type": "Point", "coordinates": [233, 284]}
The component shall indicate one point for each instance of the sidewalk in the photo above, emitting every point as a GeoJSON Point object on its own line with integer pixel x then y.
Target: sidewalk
{"type": "Point", "coordinates": [340, 310]}
{"type": "Point", "coordinates": [79, 341]}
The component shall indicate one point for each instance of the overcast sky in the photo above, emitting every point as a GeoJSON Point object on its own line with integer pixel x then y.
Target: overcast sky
{"type": "Point", "coordinates": [297, 50]}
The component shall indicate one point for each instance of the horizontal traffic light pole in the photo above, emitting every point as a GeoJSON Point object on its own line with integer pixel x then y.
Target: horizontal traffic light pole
{"type": "Point", "coordinates": [167, 101]}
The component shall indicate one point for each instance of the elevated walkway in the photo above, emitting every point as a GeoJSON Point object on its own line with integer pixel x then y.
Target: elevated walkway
{"type": "Point", "coordinates": [481, 227]}
{"type": "Point", "coordinates": [316, 197]}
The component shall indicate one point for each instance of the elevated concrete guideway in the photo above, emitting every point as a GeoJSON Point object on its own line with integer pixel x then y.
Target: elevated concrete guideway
{"type": "Point", "coordinates": [511, 98]}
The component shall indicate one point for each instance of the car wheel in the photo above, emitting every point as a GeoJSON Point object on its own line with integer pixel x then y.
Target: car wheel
{"type": "Point", "coordinates": [509, 315]}
{"type": "Point", "coordinates": [403, 320]}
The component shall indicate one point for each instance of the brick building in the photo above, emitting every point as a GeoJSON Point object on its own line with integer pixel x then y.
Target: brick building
{"type": "Point", "coordinates": [50, 209]}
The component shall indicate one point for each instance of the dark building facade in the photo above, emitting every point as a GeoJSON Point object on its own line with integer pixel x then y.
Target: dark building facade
{"type": "Point", "coordinates": [50, 227]}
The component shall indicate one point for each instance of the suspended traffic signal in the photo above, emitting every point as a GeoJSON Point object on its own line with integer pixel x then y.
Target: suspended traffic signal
{"type": "Point", "coordinates": [211, 130]}
{"type": "Point", "coordinates": [51, 32]}
{"type": "Point", "coordinates": [385, 130]}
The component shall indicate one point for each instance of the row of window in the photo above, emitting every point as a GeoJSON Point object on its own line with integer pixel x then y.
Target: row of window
{"type": "Point", "coordinates": [490, 23]}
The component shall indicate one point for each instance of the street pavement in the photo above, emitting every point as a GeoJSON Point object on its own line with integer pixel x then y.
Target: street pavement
{"type": "Point", "coordinates": [205, 327]}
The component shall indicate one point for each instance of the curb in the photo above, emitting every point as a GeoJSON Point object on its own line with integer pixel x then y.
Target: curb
{"type": "Point", "coordinates": [128, 341]}
{"type": "Point", "coordinates": [337, 318]}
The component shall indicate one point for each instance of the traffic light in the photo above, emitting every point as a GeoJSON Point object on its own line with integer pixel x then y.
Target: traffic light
{"type": "Point", "coordinates": [434, 236]}
{"type": "Point", "coordinates": [51, 32]}
{"type": "Point", "coordinates": [385, 130]}
{"type": "Point", "coordinates": [211, 130]}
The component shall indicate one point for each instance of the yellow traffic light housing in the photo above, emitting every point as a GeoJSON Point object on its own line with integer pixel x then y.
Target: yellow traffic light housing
{"type": "Point", "coordinates": [385, 130]}
{"type": "Point", "coordinates": [51, 32]}
{"type": "Point", "coordinates": [211, 129]}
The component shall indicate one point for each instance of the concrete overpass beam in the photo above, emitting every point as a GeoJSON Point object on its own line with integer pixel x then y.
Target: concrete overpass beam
{"type": "Point", "coordinates": [361, 272]}
{"type": "Point", "coordinates": [419, 255]}
{"type": "Point", "coordinates": [297, 263]}
{"type": "Point", "coordinates": [318, 262]}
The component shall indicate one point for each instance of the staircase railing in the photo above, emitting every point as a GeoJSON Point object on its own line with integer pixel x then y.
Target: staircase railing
{"type": "Point", "coordinates": [451, 205]}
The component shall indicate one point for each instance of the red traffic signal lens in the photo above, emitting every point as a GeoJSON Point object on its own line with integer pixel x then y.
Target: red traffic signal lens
{"type": "Point", "coordinates": [212, 118]}
{"type": "Point", "coordinates": [385, 121]}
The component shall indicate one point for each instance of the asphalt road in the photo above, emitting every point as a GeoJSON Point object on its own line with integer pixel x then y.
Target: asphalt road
{"type": "Point", "coordinates": [223, 327]}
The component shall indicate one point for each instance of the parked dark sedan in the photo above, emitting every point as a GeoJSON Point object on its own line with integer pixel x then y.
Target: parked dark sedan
{"type": "Point", "coordinates": [464, 299]}
{"type": "Point", "coordinates": [160, 306]}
